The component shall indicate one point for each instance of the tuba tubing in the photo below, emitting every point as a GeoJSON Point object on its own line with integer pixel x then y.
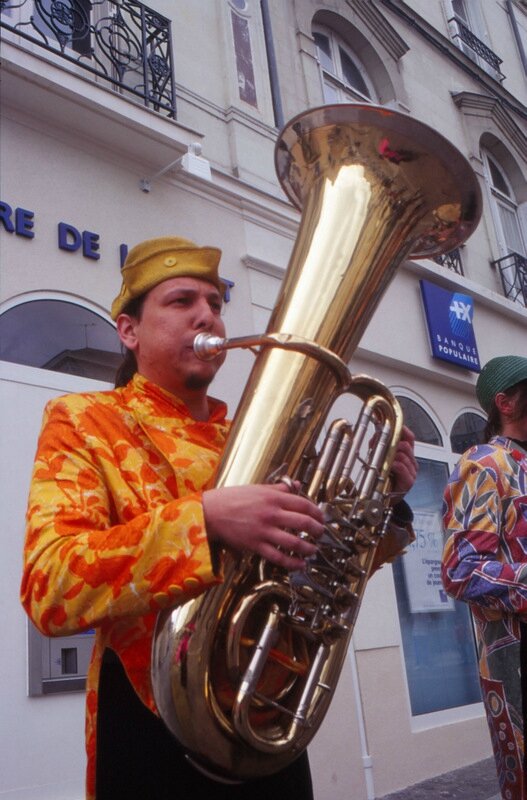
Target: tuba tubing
{"type": "Point", "coordinates": [244, 673]}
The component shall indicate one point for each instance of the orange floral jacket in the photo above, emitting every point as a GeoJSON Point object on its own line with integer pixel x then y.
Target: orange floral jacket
{"type": "Point", "coordinates": [115, 527]}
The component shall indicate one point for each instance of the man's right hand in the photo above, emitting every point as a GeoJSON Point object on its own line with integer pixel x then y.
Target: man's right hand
{"type": "Point", "coordinates": [263, 519]}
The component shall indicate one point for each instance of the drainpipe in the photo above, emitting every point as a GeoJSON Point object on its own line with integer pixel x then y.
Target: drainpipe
{"type": "Point", "coordinates": [517, 35]}
{"type": "Point", "coordinates": [273, 69]}
{"type": "Point", "coordinates": [367, 760]}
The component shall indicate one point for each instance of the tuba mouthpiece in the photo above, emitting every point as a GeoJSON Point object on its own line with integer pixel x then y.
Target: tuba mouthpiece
{"type": "Point", "coordinates": [207, 346]}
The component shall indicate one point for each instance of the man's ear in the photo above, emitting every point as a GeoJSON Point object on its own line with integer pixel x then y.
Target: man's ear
{"type": "Point", "coordinates": [127, 330]}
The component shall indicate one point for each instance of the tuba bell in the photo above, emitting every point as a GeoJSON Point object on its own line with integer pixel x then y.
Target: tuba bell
{"type": "Point", "coordinates": [243, 675]}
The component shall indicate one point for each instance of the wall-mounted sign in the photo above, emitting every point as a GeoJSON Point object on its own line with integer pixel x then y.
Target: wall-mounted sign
{"type": "Point", "coordinates": [450, 317]}
{"type": "Point", "coordinates": [21, 222]}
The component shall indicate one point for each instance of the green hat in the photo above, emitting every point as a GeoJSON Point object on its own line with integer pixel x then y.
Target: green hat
{"type": "Point", "coordinates": [156, 260]}
{"type": "Point", "coordinates": [497, 375]}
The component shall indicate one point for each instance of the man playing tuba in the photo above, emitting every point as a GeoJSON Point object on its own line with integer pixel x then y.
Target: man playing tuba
{"type": "Point", "coordinates": [121, 522]}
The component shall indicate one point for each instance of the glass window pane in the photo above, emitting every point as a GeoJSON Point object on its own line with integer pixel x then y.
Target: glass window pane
{"type": "Point", "coordinates": [60, 336]}
{"type": "Point", "coordinates": [438, 640]}
{"type": "Point", "coordinates": [467, 430]}
{"type": "Point", "coordinates": [67, 24]}
{"type": "Point", "coordinates": [511, 228]}
{"type": "Point", "coordinates": [460, 11]}
{"type": "Point", "coordinates": [498, 180]}
{"type": "Point", "coordinates": [351, 74]}
{"type": "Point", "coordinates": [330, 93]}
{"type": "Point", "coordinates": [419, 422]}
{"type": "Point", "coordinates": [324, 51]}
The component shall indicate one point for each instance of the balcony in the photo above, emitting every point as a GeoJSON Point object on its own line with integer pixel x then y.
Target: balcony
{"type": "Point", "coordinates": [475, 49]}
{"type": "Point", "coordinates": [451, 260]}
{"type": "Point", "coordinates": [513, 273]}
{"type": "Point", "coordinates": [123, 43]}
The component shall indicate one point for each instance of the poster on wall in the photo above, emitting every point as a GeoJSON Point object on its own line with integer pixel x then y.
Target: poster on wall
{"type": "Point", "coordinates": [422, 566]}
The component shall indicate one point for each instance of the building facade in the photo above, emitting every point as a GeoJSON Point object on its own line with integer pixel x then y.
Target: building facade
{"type": "Point", "coordinates": [122, 121]}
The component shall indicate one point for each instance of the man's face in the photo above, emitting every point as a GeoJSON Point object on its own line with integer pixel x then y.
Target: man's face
{"type": "Point", "coordinates": [173, 313]}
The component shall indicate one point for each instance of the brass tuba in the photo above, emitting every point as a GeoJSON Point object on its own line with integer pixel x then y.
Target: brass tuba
{"type": "Point", "coordinates": [243, 675]}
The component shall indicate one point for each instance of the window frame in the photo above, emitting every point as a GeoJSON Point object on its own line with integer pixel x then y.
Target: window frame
{"type": "Point", "coordinates": [498, 200]}
{"type": "Point", "coordinates": [464, 412]}
{"type": "Point", "coordinates": [441, 454]}
{"type": "Point", "coordinates": [91, 308]}
{"type": "Point", "coordinates": [472, 19]}
{"type": "Point", "coordinates": [336, 79]}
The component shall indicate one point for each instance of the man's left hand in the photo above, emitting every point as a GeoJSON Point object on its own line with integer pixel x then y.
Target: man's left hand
{"type": "Point", "coordinates": [404, 467]}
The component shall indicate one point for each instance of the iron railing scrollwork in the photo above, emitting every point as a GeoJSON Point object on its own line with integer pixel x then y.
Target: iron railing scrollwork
{"type": "Point", "coordinates": [478, 48]}
{"type": "Point", "coordinates": [451, 260]}
{"type": "Point", "coordinates": [513, 273]}
{"type": "Point", "coordinates": [122, 41]}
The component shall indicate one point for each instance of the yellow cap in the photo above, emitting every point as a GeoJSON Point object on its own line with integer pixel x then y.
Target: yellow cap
{"type": "Point", "coordinates": [156, 260]}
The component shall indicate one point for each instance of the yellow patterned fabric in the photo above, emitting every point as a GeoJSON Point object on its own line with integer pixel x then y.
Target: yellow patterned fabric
{"type": "Point", "coordinates": [115, 528]}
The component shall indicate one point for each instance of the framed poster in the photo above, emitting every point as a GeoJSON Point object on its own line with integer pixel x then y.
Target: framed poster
{"type": "Point", "coordinates": [422, 565]}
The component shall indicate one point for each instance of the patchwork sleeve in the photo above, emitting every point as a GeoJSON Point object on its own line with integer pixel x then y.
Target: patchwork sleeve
{"type": "Point", "coordinates": [474, 566]}
{"type": "Point", "coordinates": [80, 569]}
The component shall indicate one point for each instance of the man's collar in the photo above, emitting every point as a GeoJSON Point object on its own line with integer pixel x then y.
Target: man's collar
{"type": "Point", "coordinates": [169, 403]}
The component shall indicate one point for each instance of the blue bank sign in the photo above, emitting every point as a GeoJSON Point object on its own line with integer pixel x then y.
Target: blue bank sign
{"type": "Point", "coordinates": [450, 317]}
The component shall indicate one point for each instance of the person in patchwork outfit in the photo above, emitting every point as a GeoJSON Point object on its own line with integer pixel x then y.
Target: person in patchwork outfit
{"type": "Point", "coordinates": [485, 559]}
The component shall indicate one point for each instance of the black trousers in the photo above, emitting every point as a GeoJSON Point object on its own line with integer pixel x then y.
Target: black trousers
{"type": "Point", "coordinates": [138, 759]}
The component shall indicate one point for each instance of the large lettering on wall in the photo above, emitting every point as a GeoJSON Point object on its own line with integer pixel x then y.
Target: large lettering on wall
{"type": "Point", "coordinates": [70, 238]}
{"type": "Point", "coordinates": [21, 222]}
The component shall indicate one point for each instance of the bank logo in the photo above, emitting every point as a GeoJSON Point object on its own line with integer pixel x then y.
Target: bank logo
{"type": "Point", "coordinates": [461, 314]}
{"type": "Point", "coordinates": [450, 321]}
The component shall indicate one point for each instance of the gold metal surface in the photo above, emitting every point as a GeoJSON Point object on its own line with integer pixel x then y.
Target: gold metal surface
{"type": "Point", "coordinates": [243, 675]}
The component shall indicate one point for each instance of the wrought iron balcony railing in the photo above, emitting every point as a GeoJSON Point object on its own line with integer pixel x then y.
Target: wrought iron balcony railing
{"type": "Point", "coordinates": [513, 272]}
{"type": "Point", "coordinates": [475, 48]}
{"type": "Point", "coordinates": [121, 41]}
{"type": "Point", "coordinates": [451, 260]}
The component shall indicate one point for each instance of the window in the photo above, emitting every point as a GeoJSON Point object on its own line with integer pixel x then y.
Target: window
{"type": "Point", "coordinates": [60, 336]}
{"type": "Point", "coordinates": [344, 77]}
{"type": "Point", "coordinates": [419, 422]}
{"type": "Point", "coordinates": [243, 52]}
{"type": "Point", "coordinates": [69, 24]}
{"type": "Point", "coordinates": [437, 635]}
{"type": "Point", "coordinates": [511, 239]}
{"type": "Point", "coordinates": [122, 42]}
{"type": "Point", "coordinates": [469, 33]}
{"type": "Point", "coordinates": [467, 430]}
{"type": "Point", "coordinates": [505, 208]}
